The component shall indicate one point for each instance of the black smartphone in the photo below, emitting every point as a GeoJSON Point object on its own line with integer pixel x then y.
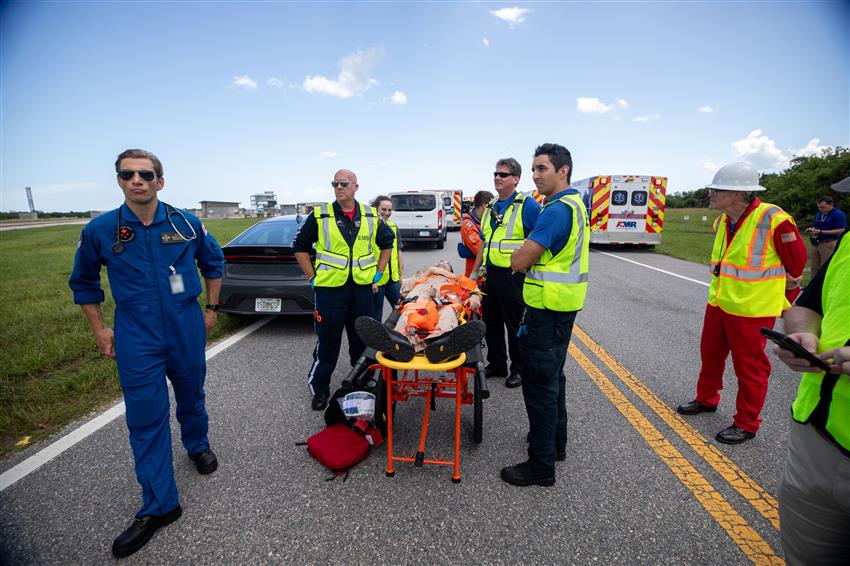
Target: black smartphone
{"type": "Point", "coordinates": [786, 343]}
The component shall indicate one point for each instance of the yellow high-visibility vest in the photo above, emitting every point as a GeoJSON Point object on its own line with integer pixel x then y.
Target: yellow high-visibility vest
{"type": "Point", "coordinates": [335, 259]}
{"type": "Point", "coordinates": [748, 278]}
{"type": "Point", "coordinates": [559, 282]}
{"type": "Point", "coordinates": [835, 331]}
{"type": "Point", "coordinates": [508, 236]}
{"type": "Point", "coordinates": [385, 278]}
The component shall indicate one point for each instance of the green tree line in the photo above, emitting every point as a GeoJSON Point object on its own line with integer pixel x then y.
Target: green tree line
{"type": "Point", "coordinates": [796, 189]}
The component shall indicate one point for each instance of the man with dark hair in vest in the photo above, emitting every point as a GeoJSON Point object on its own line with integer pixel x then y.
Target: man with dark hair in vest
{"type": "Point", "coordinates": [555, 256]}
{"type": "Point", "coordinates": [347, 234]}
{"type": "Point", "coordinates": [505, 224]}
{"type": "Point", "coordinates": [756, 265]}
{"type": "Point", "coordinates": [814, 495]}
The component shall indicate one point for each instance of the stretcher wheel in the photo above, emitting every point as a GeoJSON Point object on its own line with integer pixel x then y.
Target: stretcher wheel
{"type": "Point", "coordinates": [455, 480]}
{"type": "Point", "coordinates": [477, 414]}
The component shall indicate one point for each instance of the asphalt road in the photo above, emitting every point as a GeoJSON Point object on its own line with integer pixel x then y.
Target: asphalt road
{"type": "Point", "coordinates": [641, 485]}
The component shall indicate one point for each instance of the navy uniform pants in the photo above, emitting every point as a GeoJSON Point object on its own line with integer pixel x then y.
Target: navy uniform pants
{"type": "Point", "coordinates": [501, 308]}
{"type": "Point", "coordinates": [544, 338]}
{"type": "Point", "coordinates": [336, 310]}
{"type": "Point", "coordinates": [150, 344]}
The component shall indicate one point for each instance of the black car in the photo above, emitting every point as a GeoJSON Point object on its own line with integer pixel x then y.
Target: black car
{"type": "Point", "coordinates": [261, 275]}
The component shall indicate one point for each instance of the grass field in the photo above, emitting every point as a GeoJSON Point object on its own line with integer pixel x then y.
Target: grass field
{"type": "Point", "coordinates": [689, 239]}
{"type": "Point", "coordinates": [51, 372]}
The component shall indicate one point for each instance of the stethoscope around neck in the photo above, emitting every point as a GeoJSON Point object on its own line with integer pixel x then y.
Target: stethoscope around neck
{"type": "Point", "coordinates": [124, 234]}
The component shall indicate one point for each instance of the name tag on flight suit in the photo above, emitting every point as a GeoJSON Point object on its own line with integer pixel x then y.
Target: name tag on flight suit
{"type": "Point", "coordinates": [171, 238]}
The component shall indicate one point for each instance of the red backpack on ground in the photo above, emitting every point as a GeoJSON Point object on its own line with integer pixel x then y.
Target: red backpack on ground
{"type": "Point", "coordinates": [339, 447]}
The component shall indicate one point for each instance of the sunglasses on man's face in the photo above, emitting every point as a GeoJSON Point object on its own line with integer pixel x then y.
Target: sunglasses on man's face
{"type": "Point", "coordinates": [502, 174]}
{"type": "Point", "coordinates": [342, 184]}
{"type": "Point", "coordinates": [127, 174]}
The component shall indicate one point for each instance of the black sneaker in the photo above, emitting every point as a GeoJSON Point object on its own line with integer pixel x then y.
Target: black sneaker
{"type": "Point", "coordinates": [140, 532]}
{"type": "Point", "coordinates": [377, 336]}
{"type": "Point", "coordinates": [320, 401]}
{"type": "Point", "coordinates": [522, 475]}
{"type": "Point", "coordinates": [205, 461]}
{"type": "Point", "coordinates": [694, 408]}
{"type": "Point", "coordinates": [734, 435]}
{"type": "Point", "coordinates": [461, 339]}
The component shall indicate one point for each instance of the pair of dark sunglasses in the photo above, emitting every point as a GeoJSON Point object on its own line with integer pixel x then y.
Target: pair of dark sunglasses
{"type": "Point", "coordinates": [342, 184]}
{"type": "Point", "coordinates": [127, 174]}
{"type": "Point", "coordinates": [502, 174]}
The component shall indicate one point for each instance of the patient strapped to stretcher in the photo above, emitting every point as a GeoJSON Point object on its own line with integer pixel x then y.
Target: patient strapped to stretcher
{"type": "Point", "coordinates": [434, 317]}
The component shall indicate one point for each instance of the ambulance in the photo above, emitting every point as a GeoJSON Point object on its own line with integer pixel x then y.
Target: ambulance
{"type": "Point", "coordinates": [452, 208]}
{"type": "Point", "coordinates": [624, 209]}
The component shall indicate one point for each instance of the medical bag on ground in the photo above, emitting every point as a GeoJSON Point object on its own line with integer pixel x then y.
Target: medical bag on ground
{"type": "Point", "coordinates": [339, 447]}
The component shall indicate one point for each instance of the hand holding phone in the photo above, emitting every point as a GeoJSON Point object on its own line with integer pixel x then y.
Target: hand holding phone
{"type": "Point", "coordinates": [787, 343]}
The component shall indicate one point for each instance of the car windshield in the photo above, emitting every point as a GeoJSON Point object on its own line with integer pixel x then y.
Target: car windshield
{"type": "Point", "coordinates": [268, 233]}
{"type": "Point", "coordinates": [414, 203]}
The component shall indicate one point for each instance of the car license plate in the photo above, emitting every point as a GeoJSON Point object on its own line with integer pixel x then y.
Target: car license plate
{"type": "Point", "coordinates": [425, 233]}
{"type": "Point", "coordinates": [267, 305]}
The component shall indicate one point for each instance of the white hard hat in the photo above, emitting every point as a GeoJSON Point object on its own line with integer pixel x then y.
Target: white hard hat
{"type": "Point", "coordinates": [739, 176]}
{"type": "Point", "coordinates": [359, 404]}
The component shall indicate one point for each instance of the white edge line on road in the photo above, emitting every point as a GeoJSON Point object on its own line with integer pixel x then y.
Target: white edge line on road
{"type": "Point", "coordinates": [46, 454]}
{"type": "Point", "coordinates": [655, 269]}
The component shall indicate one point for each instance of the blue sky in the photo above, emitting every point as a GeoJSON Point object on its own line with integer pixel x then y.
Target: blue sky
{"type": "Point", "coordinates": [243, 97]}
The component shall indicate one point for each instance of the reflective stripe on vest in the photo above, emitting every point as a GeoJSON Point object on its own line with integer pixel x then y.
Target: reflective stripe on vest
{"type": "Point", "coordinates": [335, 259]}
{"type": "Point", "coordinates": [559, 283]}
{"type": "Point", "coordinates": [751, 278]}
{"type": "Point", "coordinates": [385, 278]}
{"type": "Point", "coordinates": [835, 331]}
{"type": "Point", "coordinates": [508, 236]}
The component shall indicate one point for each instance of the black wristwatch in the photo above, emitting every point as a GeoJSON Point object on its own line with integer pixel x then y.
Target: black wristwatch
{"type": "Point", "coordinates": [212, 307]}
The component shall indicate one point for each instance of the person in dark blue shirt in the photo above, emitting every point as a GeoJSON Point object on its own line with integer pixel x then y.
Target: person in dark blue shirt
{"type": "Point", "coordinates": [505, 224]}
{"type": "Point", "coordinates": [152, 252]}
{"type": "Point", "coordinates": [824, 233]}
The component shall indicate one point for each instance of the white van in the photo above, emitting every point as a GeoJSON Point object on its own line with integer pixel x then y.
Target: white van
{"type": "Point", "coordinates": [420, 217]}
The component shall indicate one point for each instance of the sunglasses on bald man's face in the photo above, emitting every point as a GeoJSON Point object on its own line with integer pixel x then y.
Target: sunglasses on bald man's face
{"type": "Point", "coordinates": [502, 174]}
{"type": "Point", "coordinates": [342, 183]}
{"type": "Point", "coordinates": [127, 174]}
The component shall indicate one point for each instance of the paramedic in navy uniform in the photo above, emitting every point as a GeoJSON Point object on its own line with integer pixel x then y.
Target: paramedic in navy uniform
{"type": "Point", "coordinates": [556, 257]}
{"type": "Point", "coordinates": [152, 252]}
{"type": "Point", "coordinates": [353, 247]}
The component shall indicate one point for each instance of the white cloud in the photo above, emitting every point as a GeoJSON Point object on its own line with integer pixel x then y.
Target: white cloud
{"type": "Point", "coordinates": [622, 103]}
{"type": "Point", "coordinates": [353, 77]}
{"type": "Point", "coordinates": [640, 119]}
{"type": "Point", "coordinates": [760, 150]}
{"type": "Point", "coordinates": [486, 42]}
{"type": "Point", "coordinates": [245, 81]}
{"type": "Point", "coordinates": [707, 164]}
{"type": "Point", "coordinates": [705, 109]}
{"type": "Point", "coordinates": [399, 98]}
{"type": "Point", "coordinates": [327, 154]}
{"type": "Point", "coordinates": [594, 105]}
{"type": "Point", "coordinates": [814, 147]}
{"type": "Point", "coordinates": [513, 15]}
{"type": "Point", "coordinates": [275, 82]}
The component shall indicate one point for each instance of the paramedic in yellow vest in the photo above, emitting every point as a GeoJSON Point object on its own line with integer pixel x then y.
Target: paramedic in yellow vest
{"type": "Point", "coordinates": [506, 222]}
{"type": "Point", "coordinates": [347, 235]}
{"type": "Point", "coordinates": [756, 265]}
{"type": "Point", "coordinates": [389, 285]}
{"type": "Point", "coordinates": [814, 495]}
{"type": "Point", "coordinates": [555, 256]}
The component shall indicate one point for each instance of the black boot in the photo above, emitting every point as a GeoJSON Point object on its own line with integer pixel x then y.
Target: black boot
{"type": "Point", "coordinates": [462, 339]}
{"type": "Point", "coordinates": [375, 335]}
{"type": "Point", "coordinates": [140, 532]}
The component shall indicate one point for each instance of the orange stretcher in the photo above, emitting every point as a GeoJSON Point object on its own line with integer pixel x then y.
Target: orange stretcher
{"type": "Point", "coordinates": [412, 381]}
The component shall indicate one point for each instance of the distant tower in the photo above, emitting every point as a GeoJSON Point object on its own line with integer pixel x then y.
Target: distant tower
{"type": "Point", "coordinates": [29, 199]}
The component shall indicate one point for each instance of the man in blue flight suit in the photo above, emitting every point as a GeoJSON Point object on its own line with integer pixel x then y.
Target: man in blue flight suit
{"type": "Point", "coordinates": [556, 257]}
{"type": "Point", "coordinates": [352, 250]}
{"type": "Point", "coordinates": [505, 224]}
{"type": "Point", "coordinates": [150, 250]}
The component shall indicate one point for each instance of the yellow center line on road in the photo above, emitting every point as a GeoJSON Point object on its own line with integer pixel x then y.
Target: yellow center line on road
{"type": "Point", "coordinates": [756, 495]}
{"type": "Point", "coordinates": [747, 539]}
